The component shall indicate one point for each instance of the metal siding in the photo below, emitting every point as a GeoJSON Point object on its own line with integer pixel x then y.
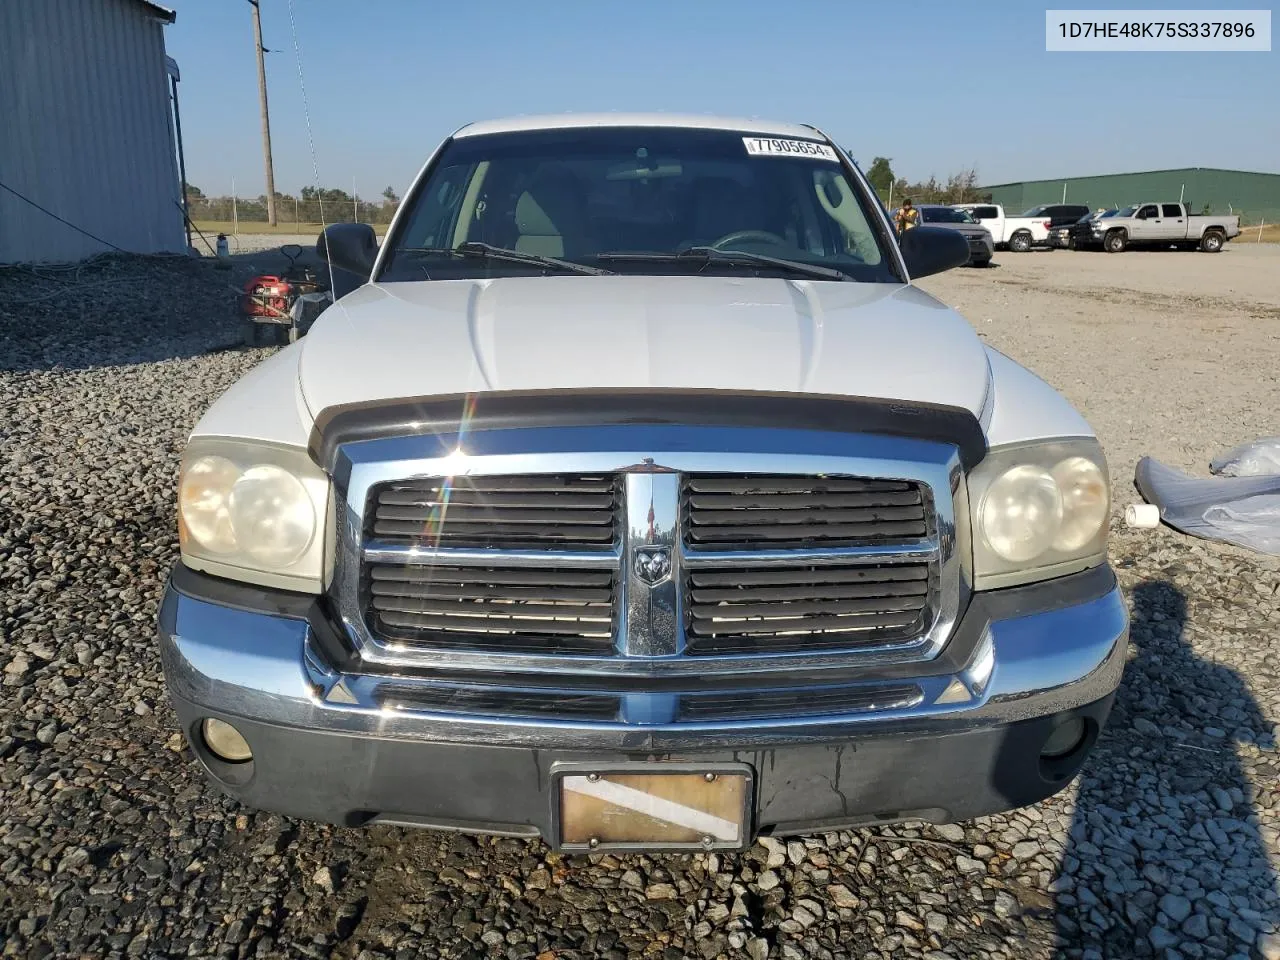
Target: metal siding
{"type": "Point", "coordinates": [84, 91]}
{"type": "Point", "coordinates": [1255, 196]}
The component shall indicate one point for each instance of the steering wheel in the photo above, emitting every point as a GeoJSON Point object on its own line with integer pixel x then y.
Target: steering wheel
{"type": "Point", "coordinates": [738, 235]}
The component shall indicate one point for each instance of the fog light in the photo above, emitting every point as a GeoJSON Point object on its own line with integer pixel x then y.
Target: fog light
{"type": "Point", "coordinates": [1064, 739]}
{"type": "Point", "coordinates": [224, 741]}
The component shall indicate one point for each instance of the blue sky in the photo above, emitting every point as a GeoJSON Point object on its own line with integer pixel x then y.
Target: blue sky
{"type": "Point", "coordinates": [936, 86]}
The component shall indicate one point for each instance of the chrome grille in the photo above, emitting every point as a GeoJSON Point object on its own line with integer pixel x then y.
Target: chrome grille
{"type": "Point", "coordinates": [727, 554]}
{"type": "Point", "coordinates": [744, 512]}
{"type": "Point", "coordinates": [542, 610]}
{"type": "Point", "coordinates": [571, 511]}
{"type": "Point", "coordinates": [749, 609]}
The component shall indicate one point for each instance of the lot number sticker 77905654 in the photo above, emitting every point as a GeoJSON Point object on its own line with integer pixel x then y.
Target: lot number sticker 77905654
{"type": "Point", "coordinates": [769, 147]}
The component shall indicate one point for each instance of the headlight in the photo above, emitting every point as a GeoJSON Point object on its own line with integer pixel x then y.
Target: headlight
{"type": "Point", "coordinates": [1039, 510]}
{"type": "Point", "coordinates": [254, 512]}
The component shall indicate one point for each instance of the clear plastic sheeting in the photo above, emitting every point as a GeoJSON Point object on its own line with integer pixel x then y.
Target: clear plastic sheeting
{"type": "Point", "coordinates": [1260, 458]}
{"type": "Point", "coordinates": [1243, 510]}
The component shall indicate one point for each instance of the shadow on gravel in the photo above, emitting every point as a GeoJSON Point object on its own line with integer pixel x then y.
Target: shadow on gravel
{"type": "Point", "coordinates": [118, 310]}
{"type": "Point", "coordinates": [1165, 857]}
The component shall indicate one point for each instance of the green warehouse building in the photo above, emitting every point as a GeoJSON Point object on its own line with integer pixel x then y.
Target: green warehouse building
{"type": "Point", "coordinates": [1255, 196]}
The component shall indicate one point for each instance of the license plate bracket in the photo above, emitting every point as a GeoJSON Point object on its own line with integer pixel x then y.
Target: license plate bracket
{"type": "Point", "coordinates": [652, 805]}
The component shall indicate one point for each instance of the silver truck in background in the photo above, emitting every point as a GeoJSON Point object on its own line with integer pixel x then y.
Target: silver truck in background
{"type": "Point", "coordinates": [1164, 225]}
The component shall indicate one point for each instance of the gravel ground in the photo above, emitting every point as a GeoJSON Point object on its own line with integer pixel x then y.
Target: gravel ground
{"type": "Point", "coordinates": [111, 844]}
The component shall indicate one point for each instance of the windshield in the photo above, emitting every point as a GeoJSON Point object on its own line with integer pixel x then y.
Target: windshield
{"type": "Point", "coordinates": [946, 215]}
{"type": "Point", "coordinates": [1034, 212]}
{"type": "Point", "coordinates": [1127, 211]}
{"type": "Point", "coordinates": [637, 200]}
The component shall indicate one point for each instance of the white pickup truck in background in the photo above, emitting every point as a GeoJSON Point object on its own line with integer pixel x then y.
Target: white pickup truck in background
{"type": "Point", "coordinates": [1018, 234]}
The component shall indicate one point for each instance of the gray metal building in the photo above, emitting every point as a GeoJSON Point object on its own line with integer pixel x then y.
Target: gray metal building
{"type": "Point", "coordinates": [88, 129]}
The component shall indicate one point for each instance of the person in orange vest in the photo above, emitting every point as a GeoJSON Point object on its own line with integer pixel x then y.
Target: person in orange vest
{"type": "Point", "coordinates": [906, 217]}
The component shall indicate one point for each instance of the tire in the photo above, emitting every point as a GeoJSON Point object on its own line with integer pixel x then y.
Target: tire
{"type": "Point", "coordinates": [1212, 241]}
{"type": "Point", "coordinates": [1020, 242]}
{"type": "Point", "coordinates": [982, 263]}
{"type": "Point", "coordinates": [1115, 242]}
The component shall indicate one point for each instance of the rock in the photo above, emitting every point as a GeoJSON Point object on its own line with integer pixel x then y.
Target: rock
{"type": "Point", "coordinates": [758, 949]}
{"type": "Point", "coordinates": [1025, 850]}
{"type": "Point", "coordinates": [1197, 926]}
{"type": "Point", "coordinates": [842, 896]}
{"type": "Point", "coordinates": [1175, 908]}
{"type": "Point", "coordinates": [950, 831]}
{"type": "Point", "coordinates": [968, 865]}
{"type": "Point", "coordinates": [323, 878]}
{"type": "Point", "coordinates": [777, 851]}
{"type": "Point", "coordinates": [767, 880]}
{"type": "Point", "coordinates": [660, 891]}
{"type": "Point", "coordinates": [1161, 939]}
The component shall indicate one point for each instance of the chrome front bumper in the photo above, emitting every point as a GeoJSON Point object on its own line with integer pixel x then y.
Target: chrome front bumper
{"type": "Point", "coordinates": [326, 747]}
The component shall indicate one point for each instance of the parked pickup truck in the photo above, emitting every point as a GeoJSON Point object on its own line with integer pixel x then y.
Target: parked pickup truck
{"type": "Point", "coordinates": [1165, 225]}
{"type": "Point", "coordinates": [1018, 234]}
{"type": "Point", "coordinates": [641, 500]}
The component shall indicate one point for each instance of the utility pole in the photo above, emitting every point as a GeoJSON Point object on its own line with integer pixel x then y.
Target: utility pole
{"type": "Point", "coordinates": [266, 121]}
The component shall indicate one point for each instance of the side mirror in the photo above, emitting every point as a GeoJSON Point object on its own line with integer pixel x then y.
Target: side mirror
{"type": "Point", "coordinates": [930, 250]}
{"type": "Point", "coordinates": [349, 246]}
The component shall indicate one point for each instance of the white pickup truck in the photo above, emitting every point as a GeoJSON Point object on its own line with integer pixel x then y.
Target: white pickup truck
{"type": "Point", "coordinates": [639, 499]}
{"type": "Point", "coordinates": [1018, 234]}
{"type": "Point", "coordinates": [1164, 225]}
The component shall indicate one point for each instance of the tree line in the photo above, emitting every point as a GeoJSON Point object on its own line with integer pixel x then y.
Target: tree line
{"type": "Point", "coordinates": [330, 204]}
{"type": "Point", "coordinates": [310, 205]}
{"type": "Point", "coordinates": [960, 187]}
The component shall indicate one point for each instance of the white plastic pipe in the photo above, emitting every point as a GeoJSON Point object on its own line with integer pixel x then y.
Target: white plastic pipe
{"type": "Point", "coordinates": [1143, 516]}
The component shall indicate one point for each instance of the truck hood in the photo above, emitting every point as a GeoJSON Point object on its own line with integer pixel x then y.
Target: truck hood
{"type": "Point", "coordinates": [968, 229]}
{"type": "Point", "coordinates": [399, 340]}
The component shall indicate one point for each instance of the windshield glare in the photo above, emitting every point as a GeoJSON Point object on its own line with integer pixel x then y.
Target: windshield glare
{"type": "Point", "coordinates": [594, 195]}
{"type": "Point", "coordinates": [1127, 212]}
{"type": "Point", "coordinates": [1034, 212]}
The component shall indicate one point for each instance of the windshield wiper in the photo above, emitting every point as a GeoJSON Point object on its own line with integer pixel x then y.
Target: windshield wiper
{"type": "Point", "coordinates": [487, 251]}
{"type": "Point", "coordinates": [712, 255]}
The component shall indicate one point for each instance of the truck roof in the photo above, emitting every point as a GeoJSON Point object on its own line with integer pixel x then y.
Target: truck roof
{"type": "Point", "coordinates": [563, 121]}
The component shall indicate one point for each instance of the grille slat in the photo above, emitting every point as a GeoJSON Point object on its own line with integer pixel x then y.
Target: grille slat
{"type": "Point", "coordinates": [456, 497]}
{"type": "Point", "coordinates": [910, 588]}
{"type": "Point", "coordinates": [503, 512]}
{"type": "Point", "coordinates": [550, 611]}
{"type": "Point", "coordinates": [722, 612]}
{"type": "Point", "coordinates": [492, 613]}
{"type": "Point", "coordinates": [721, 501]}
{"type": "Point", "coordinates": [805, 607]}
{"type": "Point", "coordinates": [549, 577]}
{"type": "Point", "coordinates": [751, 578]}
{"type": "Point", "coordinates": [748, 512]}
{"type": "Point", "coordinates": [811, 515]}
{"type": "Point", "coordinates": [446, 591]}
{"type": "Point", "coordinates": [753, 483]}
{"type": "Point", "coordinates": [452, 533]}
{"type": "Point", "coordinates": [745, 537]}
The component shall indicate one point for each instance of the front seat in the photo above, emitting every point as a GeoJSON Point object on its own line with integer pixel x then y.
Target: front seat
{"type": "Point", "coordinates": [551, 215]}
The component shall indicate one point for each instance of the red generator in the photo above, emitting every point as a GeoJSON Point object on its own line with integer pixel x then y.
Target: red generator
{"type": "Point", "coordinates": [267, 304]}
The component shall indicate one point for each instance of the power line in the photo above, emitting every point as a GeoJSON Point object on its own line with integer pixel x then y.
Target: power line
{"type": "Point", "coordinates": [50, 213]}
